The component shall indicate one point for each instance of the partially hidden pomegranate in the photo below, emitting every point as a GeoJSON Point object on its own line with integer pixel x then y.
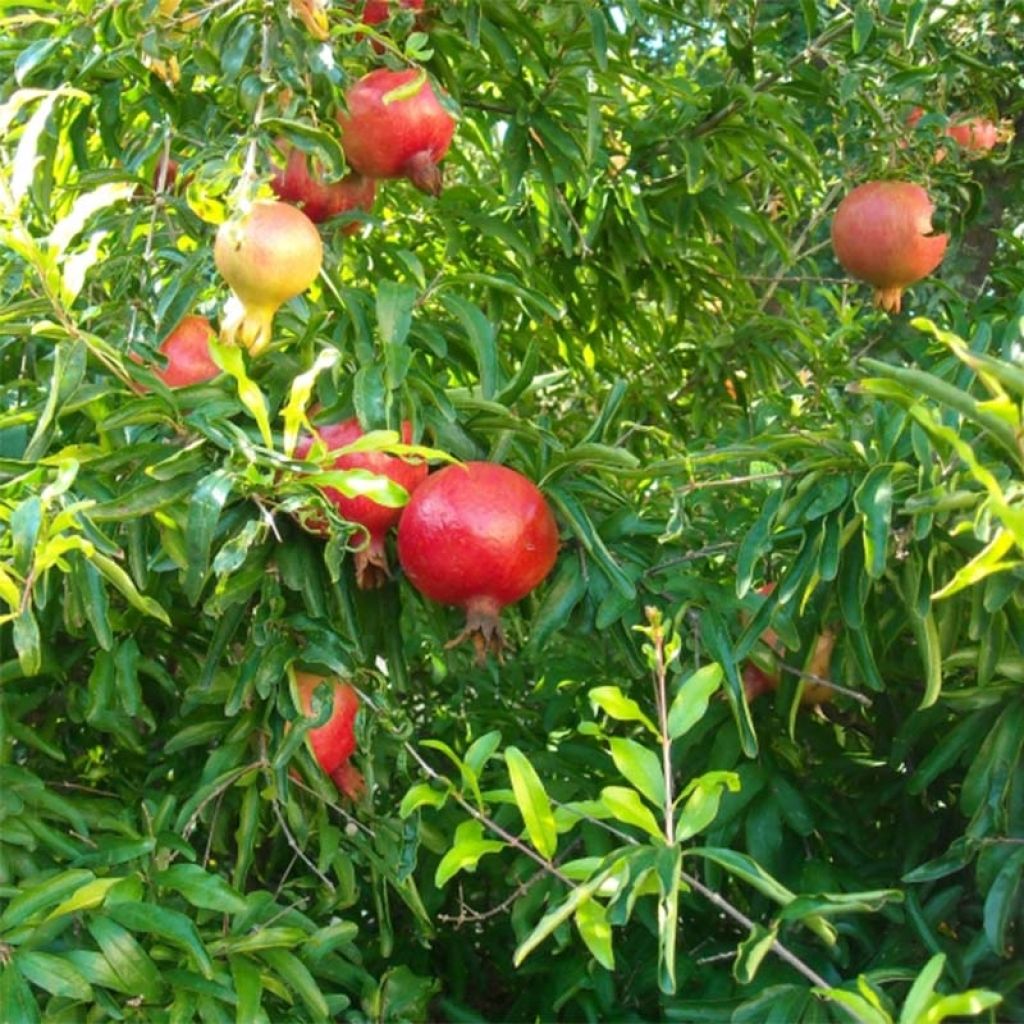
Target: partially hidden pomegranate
{"type": "Point", "coordinates": [376, 11]}
{"type": "Point", "coordinates": [882, 234]}
{"type": "Point", "coordinates": [187, 350]}
{"type": "Point", "coordinates": [389, 134]}
{"type": "Point", "coordinates": [334, 742]}
{"type": "Point", "coordinates": [975, 135]}
{"type": "Point", "coordinates": [267, 256]}
{"type": "Point", "coordinates": [318, 200]}
{"type": "Point", "coordinates": [758, 679]}
{"type": "Point", "coordinates": [478, 536]}
{"type": "Point", "coordinates": [371, 563]}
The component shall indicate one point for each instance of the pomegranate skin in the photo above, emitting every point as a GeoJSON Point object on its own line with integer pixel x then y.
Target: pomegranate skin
{"type": "Point", "coordinates": [268, 256]}
{"type": "Point", "coordinates": [403, 138]}
{"type": "Point", "coordinates": [478, 536]}
{"type": "Point", "coordinates": [187, 350]}
{"type": "Point", "coordinates": [371, 562]}
{"type": "Point", "coordinates": [376, 11]}
{"type": "Point", "coordinates": [334, 742]}
{"type": "Point", "coordinates": [318, 200]}
{"type": "Point", "coordinates": [975, 134]}
{"type": "Point", "coordinates": [881, 234]}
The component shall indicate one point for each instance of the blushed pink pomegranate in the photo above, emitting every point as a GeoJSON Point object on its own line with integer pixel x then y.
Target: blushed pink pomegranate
{"type": "Point", "coordinates": [187, 350]}
{"type": "Point", "coordinates": [882, 234]}
{"type": "Point", "coordinates": [371, 562]}
{"type": "Point", "coordinates": [318, 200]}
{"type": "Point", "coordinates": [976, 134]}
{"type": "Point", "coordinates": [479, 536]}
{"type": "Point", "coordinates": [267, 256]}
{"type": "Point", "coordinates": [389, 131]}
{"type": "Point", "coordinates": [334, 742]}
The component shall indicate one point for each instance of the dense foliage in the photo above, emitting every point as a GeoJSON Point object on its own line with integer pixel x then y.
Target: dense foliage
{"type": "Point", "coordinates": [626, 291]}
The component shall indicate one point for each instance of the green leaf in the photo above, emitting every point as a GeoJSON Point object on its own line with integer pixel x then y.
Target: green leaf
{"type": "Point", "coordinates": [704, 795]}
{"type": "Point", "coordinates": [553, 918]}
{"type": "Point", "coordinates": [614, 703]}
{"type": "Point", "coordinates": [1002, 903]}
{"type": "Point", "coordinates": [751, 953]}
{"type": "Point", "coordinates": [86, 897]}
{"type": "Point", "coordinates": [533, 802]}
{"type": "Point", "coordinates": [129, 961]}
{"type": "Point", "coordinates": [596, 932]}
{"type": "Point", "coordinates": [626, 806]}
{"type": "Point", "coordinates": [296, 976]}
{"type": "Point", "coordinates": [422, 794]}
{"type": "Point", "coordinates": [17, 1003]}
{"type": "Point", "coordinates": [873, 500]}
{"type": "Point", "coordinates": [468, 846]}
{"type": "Point", "coordinates": [168, 925]}
{"type": "Point", "coordinates": [394, 311]}
{"type": "Point", "coordinates": [229, 358]}
{"type": "Point", "coordinates": [640, 766]}
{"type": "Point", "coordinates": [248, 987]}
{"type": "Point", "coordinates": [54, 974]}
{"type": "Point", "coordinates": [42, 895]}
{"type": "Point", "coordinates": [201, 888]}
{"type": "Point", "coordinates": [482, 339]}
{"type": "Point", "coordinates": [204, 510]}
{"type": "Point", "coordinates": [123, 582]}
{"type": "Point", "coordinates": [692, 698]}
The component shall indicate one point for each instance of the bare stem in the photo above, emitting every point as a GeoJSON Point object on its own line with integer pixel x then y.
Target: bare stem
{"type": "Point", "coordinates": [657, 635]}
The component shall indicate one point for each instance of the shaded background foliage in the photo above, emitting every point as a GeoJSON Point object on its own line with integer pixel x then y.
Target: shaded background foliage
{"type": "Point", "coordinates": [627, 292]}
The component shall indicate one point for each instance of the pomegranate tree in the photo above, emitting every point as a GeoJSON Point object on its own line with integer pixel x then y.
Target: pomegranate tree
{"type": "Point", "coordinates": [334, 742]}
{"type": "Point", "coordinates": [318, 200]}
{"type": "Point", "coordinates": [187, 351]}
{"type": "Point", "coordinates": [882, 234]}
{"type": "Point", "coordinates": [371, 562]}
{"type": "Point", "coordinates": [393, 126]}
{"type": "Point", "coordinates": [479, 536]}
{"type": "Point", "coordinates": [267, 256]}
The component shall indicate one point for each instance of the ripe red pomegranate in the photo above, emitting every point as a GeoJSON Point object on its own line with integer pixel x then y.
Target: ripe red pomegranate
{"type": "Point", "coordinates": [318, 200]}
{"type": "Point", "coordinates": [479, 536]}
{"type": "Point", "coordinates": [334, 742]}
{"type": "Point", "coordinates": [385, 135]}
{"type": "Point", "coordinates": [376, 11]}
{"type": "Point", "coordinates": [372, 561]}
{"type": "Point", "coordinates": [170, 174]}
{"type": "Point", "coordinates": [881, 234]}
{"type": "Point", "coordinates": [267, 256]}
{"type": "Point", "coordinates": [187, 350]}
{"type": "Point", "coordinates": [976, 134]}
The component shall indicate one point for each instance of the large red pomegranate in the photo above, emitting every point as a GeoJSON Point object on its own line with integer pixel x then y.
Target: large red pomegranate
{"type": "Point", "coordinates": [319, 200]}
{"type": "Point", "coordinates": [388, 134]}
{"type": "Point", "coordinates": [267, 256]}
{"type": "Point", "coordinates": [479, 536]}
{"type": "Point", "coordinates": [882, 234]}
{"type": "Point", "coordinates": [371, 562]}
{"type": "Point", "coordinates": [334, 742]}
{"type": "Point", "coordinates": [187, 350]}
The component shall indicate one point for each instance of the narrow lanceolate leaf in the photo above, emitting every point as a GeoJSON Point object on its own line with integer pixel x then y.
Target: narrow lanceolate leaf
{"type": "Point", "coordinates": [291, 970]}
{"type": "Point", "coordinates": [596, 932]}
{"type": "Point", "coordinates": [692, 698]}
{"type": "Point", "coordinates": [640, 766]}
{"type": "Point", "coordinates": [533, 802]}
{"type": "Point", "coordinates": [626, 806]}
{"type": "Point", "coordinates": [201, 888]}
{"type": "Point", "coordinates": [614, 703]}
{"type": "Point", "coordinates": [123, 582]}
{"type": "Point", "coordinates": [42, 895]}
{"type": "Point", "coordinates": [54, 974]}
{"type": "Point", "coordinates": [550, 921]}
{"type": "Point", "coordinates": [169, 925]}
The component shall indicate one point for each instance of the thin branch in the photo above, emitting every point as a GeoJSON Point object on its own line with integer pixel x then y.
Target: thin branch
{"type": "Point", "coordinates": [732, 481]}
{"type": "Point", "coordinates": [657, 635]}
{"type": "Point", "coordinates": [487, 822]}
{"type": "Point", "coordinates": [293, 843]}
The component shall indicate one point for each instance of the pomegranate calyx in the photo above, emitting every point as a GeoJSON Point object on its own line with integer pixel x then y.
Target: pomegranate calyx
{"type": "Point", "coordinates": [349, 780]}
{"type": "Point", "coordinates": [483, 627]}
{"type": "Point", "coordinates": [889, 299]}
{"type": "Point", "coordinates": [248, 327]}
{"type": "Point", "coordinates": [422, 170]}
{"type": "Point", "coordinates": [371, 564]}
